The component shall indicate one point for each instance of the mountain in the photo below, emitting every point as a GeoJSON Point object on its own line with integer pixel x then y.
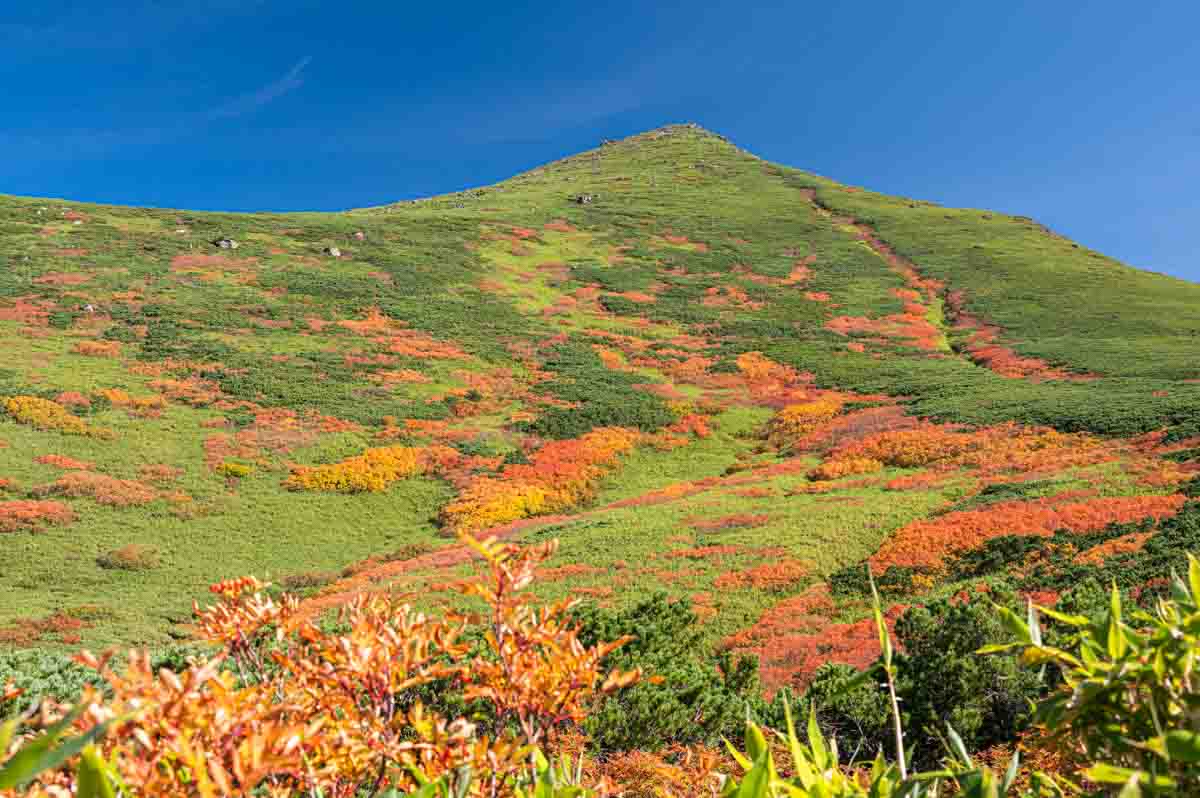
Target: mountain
{"type": "Point", "coordinates": [706, 374]}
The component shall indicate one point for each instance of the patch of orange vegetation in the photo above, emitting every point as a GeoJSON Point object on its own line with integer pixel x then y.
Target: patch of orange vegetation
{"type": "Point", "coordinates": [97, 348]}
{"type": "Point", "coordinates": [794, 638]}
{"type": "Point", "coordinates": [844, 467]}
{"type": "Point", "coordinates": [101, 488]}
{"type": "Point", "coordinates": [62, 278]}
{"type": "Point", "coordinates": [372, 471]}
{"type": "Point", "coordinates": [1126, 544]}
{"type": "Point", "coordinates": [558, 476]}
{"type": "Point", "coordinates": [730, 296]}
{"type": "Point", "coordinates": [73, 399]}
{"type": "Point", "coordinates": [30, 310]}
{"type": "Point", "coordinates": [64, 462]}
{"type": "Point", "coordinates": [778, 575]}
{"type": "Point", "coordinates": [33, 515]}
{"type": "Point", "coordinates": [927, 543]}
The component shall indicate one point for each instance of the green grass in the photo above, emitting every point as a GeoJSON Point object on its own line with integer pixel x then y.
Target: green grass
{"type": "Point", "coordinates": [261, 325]}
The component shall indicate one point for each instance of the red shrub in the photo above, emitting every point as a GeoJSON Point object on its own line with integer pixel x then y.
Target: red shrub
{"type": "Point", "coordinates": [926, 543]}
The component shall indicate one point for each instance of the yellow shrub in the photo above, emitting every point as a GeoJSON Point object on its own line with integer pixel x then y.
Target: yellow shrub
{"type": "Point", "coordinates": [795, 421]}
{"type": "Point", "coordinates": [371, 471]}
{"type": "Point", "coordinates": [836, 469]}
{"type": "Point", "coordinates": [48, 415]}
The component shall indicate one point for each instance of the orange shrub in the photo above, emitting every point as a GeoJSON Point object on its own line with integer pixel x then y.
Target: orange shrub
{"type": "Point", "coordinates": [33, 515]}
{"type": "Point", "coordinates": [927, 543]}
{"type": "Point", "coordinates": [97, 348]}
{"type": "Point", "coordinates": [769, 576]}
{"type": "Point", "coordinates": [47, 415]}
{"type": "Point", "coordinates": [836, 469]}
{"type": "Point", "coordinates": [64, 462]}
{"type": "Point", "coordinates": [558, 476]}
{"type": "Point", "coordinates": [323, 717]}
{"type": "Point", "coordinates": [101, 488]}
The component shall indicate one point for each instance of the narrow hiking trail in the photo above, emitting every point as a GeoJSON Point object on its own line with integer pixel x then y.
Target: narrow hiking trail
{"type": "Point", "coordinates": [981, 344]}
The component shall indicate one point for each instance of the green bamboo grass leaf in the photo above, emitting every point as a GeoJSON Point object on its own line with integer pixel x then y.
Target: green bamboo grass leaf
{"type": "Point", "coordinates": [816, 741]}
{"type": "Point", "coordinates": [958, 747]}
{"type": "Point", "coordinates": [92, 778]}
{"type": "Point", "coordinates": [885, 640]}
{"type": "Point", "coordinates": [1104, 773]}
{"type": "Point", "coordinates": [1194, 577]}
{"type": "Point", "coordinates": [1183, 745]}
{"type": "Point", "coordinates": [1115, 633]}
{"type": "Point", "coordinates": [1010, 774]}
{"type": "Point", "coordinates": [1014, 624]}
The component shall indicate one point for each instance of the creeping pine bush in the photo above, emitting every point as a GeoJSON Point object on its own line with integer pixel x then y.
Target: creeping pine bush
{"type": "Point", "coordinates": [699, 696]}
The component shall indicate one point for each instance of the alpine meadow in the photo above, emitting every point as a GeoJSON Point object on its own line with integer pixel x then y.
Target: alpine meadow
{"type": "Point", "coordinates": [551, 487]}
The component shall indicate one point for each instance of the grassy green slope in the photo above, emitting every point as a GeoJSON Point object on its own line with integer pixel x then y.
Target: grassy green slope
{"type": "Point", "coordinates": [493, 301]}
{"type": "Point", "coordinates": [1054, 298]}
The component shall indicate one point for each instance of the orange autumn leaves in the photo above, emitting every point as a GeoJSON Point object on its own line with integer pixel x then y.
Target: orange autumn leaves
{"type": "Point", "coordinates": [319, 713]}
{"type": "Point", "coordinates": [32, 515]}
{"type": "Point", "coordinates": [558, 476]}
{"type": "Point", "coordinates": [1005, 448]}
{"type": "Point", "coordinates": [925, 544]}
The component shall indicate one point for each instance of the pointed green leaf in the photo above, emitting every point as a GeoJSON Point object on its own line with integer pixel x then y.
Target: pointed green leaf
{"type": "Point", "coordinates": [758, 780]}
{"type": "Point", "coordinates": [745, 763]}
{"type": "Point", "coordinates": [1183, 746]}
{"type": "Point", "coordinates": [816, 741]}
{"type": "Point", "coordinates": [1194, 577]}
{"type": "Point", "coordinates": [1014, 624]}
{"type": "Point", "coordinates": [1062, 617]}
{"type": "Point", "coordinates": [1115, 634]}
{"type": "Point", "coordinates": [92, 777]}
{"type": "Point", "coordinates": [1131, 789]}
{"type": "Point", "coordinates": [957, 746]}
{"type": "Point", "coordinates": [756, 741]}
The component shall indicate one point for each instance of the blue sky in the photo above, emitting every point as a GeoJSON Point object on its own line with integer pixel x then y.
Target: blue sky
{"type": "Point", "coordinates": [1085, 116]}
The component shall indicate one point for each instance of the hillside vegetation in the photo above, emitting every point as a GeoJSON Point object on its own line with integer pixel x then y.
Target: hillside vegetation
{"type": "Point", "coordinates": [722, 384]}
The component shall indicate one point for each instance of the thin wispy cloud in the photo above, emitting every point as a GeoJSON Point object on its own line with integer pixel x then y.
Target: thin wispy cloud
{"type": "Point", "coordinates": [63, 145]}
{"type": "Point", "coordinates": [268, 93]}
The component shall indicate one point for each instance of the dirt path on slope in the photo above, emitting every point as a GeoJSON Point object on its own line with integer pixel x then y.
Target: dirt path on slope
{"type": "Point", "coordinates": [982, 345]}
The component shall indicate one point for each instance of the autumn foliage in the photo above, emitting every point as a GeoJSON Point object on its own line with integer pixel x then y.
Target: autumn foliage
{"type": "Point", "coordinates": [335, 713]}
{"type": "Point", "coordinates": [371, 471]}
{"type": "Point", "coordinates": [926, 543]}
{"type": "Point", "coordinates": [47, 415]}
{"type": "Point", "coordinates": [558, 476]}
{"type": "Point", "coordinates": [32, 515]}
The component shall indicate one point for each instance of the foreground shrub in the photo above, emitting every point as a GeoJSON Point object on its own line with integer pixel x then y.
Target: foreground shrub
{"type": "Point", "coordinates": [312, 711]}
{"type": "Point", "coordinates": [1129, 693]}
{"type": "Point", "coordinates": [697, 697]}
